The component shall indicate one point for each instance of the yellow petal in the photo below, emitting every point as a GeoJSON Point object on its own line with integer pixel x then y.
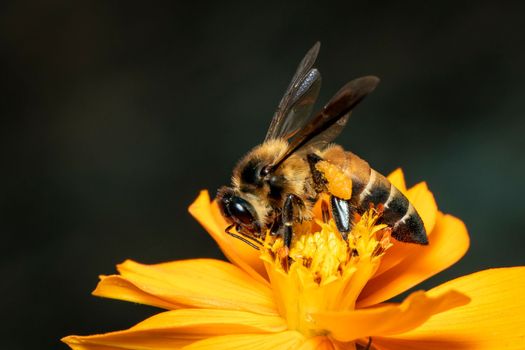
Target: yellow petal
{"type": "Point", "coordinates": [117, 287]}
{"type": "Point", "coordinates": [492, 320]}
{"type": "Point", "coordinates": [202, 283]}
{"type": "Point", "coordinates": [325, 343]}
{"type": "Point", "coordinates": [388, 319]}
{"type": "Point", "coordinates": [208, 215]}
{"type": "Point", "coordinates": [278, 341]}
{"type": "Point", "coordinates": [174, 329]}
{"type": "Point", "coordinates": [447, 244]}
{"type": "Point", "coordinates": [76, 346]}
{"type": "Point", "coordinates": [317, 343]}
{"type": "Point", "coordinates": [213, 322]}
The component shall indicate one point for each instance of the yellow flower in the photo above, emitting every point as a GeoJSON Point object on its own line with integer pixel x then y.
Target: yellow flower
{"type": "Point", "coordinates": [329, 295]}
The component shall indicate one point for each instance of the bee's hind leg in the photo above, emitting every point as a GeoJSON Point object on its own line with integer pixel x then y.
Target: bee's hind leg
{"type": "Point", "coordinates": [343, 214]}
{"type": "Point", "coordinates": [342, 210]}
{"type": "Point", "coordinates": [317, 176]}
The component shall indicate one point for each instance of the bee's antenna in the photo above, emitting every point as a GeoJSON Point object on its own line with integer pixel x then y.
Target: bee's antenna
{"type": "Point", "coordinates": [241, 238]}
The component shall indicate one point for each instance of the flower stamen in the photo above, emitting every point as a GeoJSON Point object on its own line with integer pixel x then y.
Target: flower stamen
{"type": "Point", "coordinates": [322, 271]}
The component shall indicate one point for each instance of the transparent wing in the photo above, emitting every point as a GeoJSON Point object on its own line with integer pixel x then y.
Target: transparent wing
{"type": "Point", "coordinates": [329, 122]}
{"type": "Point", "coordinates": [324, 138]}
{"type": "Point", "coordinates": [300, 96]}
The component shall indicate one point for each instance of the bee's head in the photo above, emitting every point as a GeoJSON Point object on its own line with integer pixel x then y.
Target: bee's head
{"type": "Point", "coordinates": [239, 212]}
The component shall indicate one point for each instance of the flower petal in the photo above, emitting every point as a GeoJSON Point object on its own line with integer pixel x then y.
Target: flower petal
{"type": "Point", "coordinates": [388, 319]}
{"type": "Point", "coordinates": [202, 283]}
{"type": "Point", "coordinates": [325, 343]}
{"type": "Point", "coordinates": [317, 343]}
{"type": "Point", "coordinates": [493, 319]}
{"type": "Point", "coordinates": [279, 341]}
{"type": "Point", "coordinates": [208, 215]}
{"type": "Point", "coordinates": [213, 322]}
{"type": "Point", "coordinates": [117, 287]}
{"type": "Point", "coordinates": [447, 244]}
{"type": "Point", "coordinates": [174, 329]}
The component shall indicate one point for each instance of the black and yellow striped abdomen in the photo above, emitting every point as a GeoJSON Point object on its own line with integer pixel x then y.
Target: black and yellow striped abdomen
{"type": "Point", "coordinates": [370, 188]}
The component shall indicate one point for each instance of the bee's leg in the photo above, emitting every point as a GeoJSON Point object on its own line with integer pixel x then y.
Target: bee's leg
{"type": "Point", "coordinates": [288, 220]}
{"type": "Point", "coordinates": [291, 206]}
{"type": "Point", "coordinates": [342, 213]}
{"type": "Point", "coordinates": [278, 229]}
{"type": "Point", "coordinates": [283, 231]}
{"type": "Point", "coordinates": [277, 226]}
{"type": "Point", "coordinates": [317, 176]}
{"type": "Point", "coordinates": [287, 236]}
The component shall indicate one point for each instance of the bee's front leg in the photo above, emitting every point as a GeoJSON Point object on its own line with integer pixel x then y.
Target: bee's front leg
{"type": "Point", "coordinates": [279, 229]}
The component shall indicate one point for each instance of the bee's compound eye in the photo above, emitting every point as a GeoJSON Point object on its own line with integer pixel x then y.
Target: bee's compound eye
{"type": "Point", "coordinates": [241, 211]}
{"type": "Point", "coordinates": [237, 210]}
{"type": "Point", "coordinates": [224, 195]}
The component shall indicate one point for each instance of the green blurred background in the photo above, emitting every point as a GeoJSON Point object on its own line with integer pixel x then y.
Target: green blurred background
{"type": "Point", "coordinates": [115, 115]}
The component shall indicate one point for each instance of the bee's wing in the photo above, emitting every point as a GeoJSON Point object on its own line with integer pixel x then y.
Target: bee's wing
{"type": "Point", "coordinates": [329, 122]}
{"type": "Point", "coordinates": [296, 105]}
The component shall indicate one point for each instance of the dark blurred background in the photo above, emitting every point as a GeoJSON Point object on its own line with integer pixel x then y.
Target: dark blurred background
{"type": "Point", "coordinates": [115, 115]}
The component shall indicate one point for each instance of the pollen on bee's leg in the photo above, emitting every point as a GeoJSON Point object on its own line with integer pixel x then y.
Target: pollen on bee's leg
{"type": "Point", "coordinates": [337, 182]}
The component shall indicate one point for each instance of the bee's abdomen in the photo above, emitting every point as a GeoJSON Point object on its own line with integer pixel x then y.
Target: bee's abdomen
{"type": "Point", "coordinates": [369, 188]}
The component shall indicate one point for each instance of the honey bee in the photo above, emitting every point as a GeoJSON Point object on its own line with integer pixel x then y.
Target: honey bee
{"type": "Point", "coordinates": [278, 182]}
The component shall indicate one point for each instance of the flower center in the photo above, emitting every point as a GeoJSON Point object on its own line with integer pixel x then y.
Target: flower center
{"type": "Point", "coordinates": [321, 271]}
